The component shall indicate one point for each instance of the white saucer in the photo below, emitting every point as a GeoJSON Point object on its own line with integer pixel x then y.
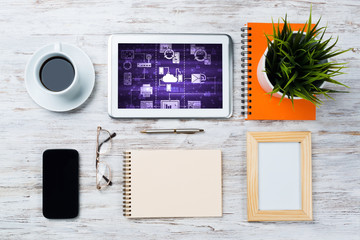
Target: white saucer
{"type": "Point", "coordinates": [59, 103]}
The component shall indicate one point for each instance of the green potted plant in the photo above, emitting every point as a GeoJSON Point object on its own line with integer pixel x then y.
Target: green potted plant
{"type": "Point", "coordinates": [296, 63]}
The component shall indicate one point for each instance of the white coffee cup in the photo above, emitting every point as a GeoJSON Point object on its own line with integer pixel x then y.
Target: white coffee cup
{"type": "Point", "coordinates": [73, 88]}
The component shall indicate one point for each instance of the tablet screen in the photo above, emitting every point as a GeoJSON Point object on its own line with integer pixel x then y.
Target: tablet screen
{"type": "Point", "coordinates": [170, 76]}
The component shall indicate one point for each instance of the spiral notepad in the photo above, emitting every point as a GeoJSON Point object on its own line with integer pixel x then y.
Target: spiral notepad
{"type": "Point", "coordinates": [256, 103]}
{"type": "Point", "coordinates": [172, 183]}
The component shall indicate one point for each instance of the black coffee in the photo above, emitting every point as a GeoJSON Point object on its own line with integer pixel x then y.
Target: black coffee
{"type": "Point", "coordinates": [57, 74]}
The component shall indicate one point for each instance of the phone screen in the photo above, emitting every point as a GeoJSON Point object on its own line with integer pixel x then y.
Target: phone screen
{"type": "Point", "coordinates": [60, 183]}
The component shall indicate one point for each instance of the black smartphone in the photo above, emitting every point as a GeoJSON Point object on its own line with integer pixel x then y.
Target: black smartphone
{"type": "Point", "coordinates": [60, 183]}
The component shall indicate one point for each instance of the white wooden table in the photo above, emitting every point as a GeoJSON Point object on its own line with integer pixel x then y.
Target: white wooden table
{"type": "Point", "coordinates": [27, 129]}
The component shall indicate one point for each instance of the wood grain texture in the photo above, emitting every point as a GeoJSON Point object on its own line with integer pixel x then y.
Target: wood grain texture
{"type": "Point", "coordinates": [27, 129]}
{"type": "Point", "coordinates": [253, 140]}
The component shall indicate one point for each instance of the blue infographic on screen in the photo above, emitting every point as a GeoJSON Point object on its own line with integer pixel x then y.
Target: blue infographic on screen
{"type": "Point", "coordinates": [170, 76]}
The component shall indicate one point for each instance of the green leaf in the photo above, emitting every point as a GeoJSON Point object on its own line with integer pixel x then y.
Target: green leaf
{"type": "Point", "coordinates": [294, 61]}
{"type": "Point", "coordinates": [291, 80]}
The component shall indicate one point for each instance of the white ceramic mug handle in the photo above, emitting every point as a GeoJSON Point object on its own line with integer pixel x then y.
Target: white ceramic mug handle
{"type": "Point", "coordinates": [58, 47]}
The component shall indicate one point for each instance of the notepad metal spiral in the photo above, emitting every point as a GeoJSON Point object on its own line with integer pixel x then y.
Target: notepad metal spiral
{"type": "Point", "coordinates": [127, 184]}
{"type": "Point", "coordinates": [245, 71]}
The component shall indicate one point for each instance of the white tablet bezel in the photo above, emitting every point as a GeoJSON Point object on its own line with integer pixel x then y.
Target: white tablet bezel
{"type": "Point", "coordinates": [227, 56]}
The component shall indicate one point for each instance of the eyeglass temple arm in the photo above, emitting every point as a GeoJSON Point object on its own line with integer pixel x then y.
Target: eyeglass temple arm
{"type": "Point", "coordinates": [107, 180]}
{"type": "Point", "coordinates": [98, 150]}
{"type": "Point", "coordinates": [106, 140]}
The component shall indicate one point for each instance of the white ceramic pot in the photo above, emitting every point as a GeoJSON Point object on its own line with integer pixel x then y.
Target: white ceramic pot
{"type": "Point", "coordinates": [264, 80]}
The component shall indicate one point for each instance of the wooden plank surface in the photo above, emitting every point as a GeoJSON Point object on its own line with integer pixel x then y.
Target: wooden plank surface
{"type": "Point", "coordinates": [27, 129]}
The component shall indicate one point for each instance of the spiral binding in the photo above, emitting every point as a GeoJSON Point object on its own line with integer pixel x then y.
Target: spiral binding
{"type": "Point", "coordinates": [127, 185]}
{"type": "Point", "coordinates": [245, 71]}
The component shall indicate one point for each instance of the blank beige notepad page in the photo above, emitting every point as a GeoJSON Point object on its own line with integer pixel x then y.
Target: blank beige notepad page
{"type": "Point", "coordinates": [176, 183]}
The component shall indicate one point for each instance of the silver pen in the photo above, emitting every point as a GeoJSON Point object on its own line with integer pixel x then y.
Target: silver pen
{"type": "Point", "coordinates": [183, 130]}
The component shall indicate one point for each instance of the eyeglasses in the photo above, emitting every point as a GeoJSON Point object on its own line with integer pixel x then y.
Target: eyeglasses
{"type": "Point", "coordinates": [103, 145]}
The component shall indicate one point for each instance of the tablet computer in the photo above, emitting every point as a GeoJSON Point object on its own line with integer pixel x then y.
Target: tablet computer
{"type": "Point", "coordinates": [170, 76]}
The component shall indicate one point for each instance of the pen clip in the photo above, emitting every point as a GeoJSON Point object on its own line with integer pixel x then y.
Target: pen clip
{"type": "Point", "coordinates": [188, 131]}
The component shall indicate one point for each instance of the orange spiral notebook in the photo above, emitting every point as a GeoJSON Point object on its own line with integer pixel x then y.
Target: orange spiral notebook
{"type": "Point", "coordinates": [257, 104]}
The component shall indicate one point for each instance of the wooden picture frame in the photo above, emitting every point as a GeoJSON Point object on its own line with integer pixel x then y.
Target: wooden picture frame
{"type": "Point", "coordinates": [305, 189]}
